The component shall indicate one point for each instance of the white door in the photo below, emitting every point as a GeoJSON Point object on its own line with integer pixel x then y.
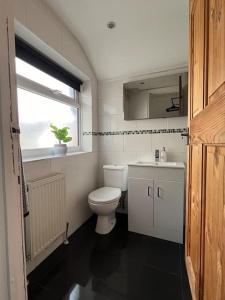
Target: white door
{"type": "Point", "coordinates": [12, 256]}
{"type": "Point", "coordinates": [140, 205]}
{"type": "Point", "coordinates": [168, 210]}
{"type": "Point", "coordinates": [3, 249]}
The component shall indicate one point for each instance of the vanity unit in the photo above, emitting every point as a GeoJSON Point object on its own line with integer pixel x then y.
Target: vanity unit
{"type": "Point", "coordinates": [156, 199]}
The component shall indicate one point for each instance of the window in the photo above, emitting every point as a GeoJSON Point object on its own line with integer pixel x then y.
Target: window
{"type": "Point", "coordinates": [28, 71]}
{"type": "Point", "coordinates": [44, 100]}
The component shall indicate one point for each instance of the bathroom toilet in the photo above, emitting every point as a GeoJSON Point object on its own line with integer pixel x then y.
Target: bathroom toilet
{"type": "Point", "coordinates": [105, 200]}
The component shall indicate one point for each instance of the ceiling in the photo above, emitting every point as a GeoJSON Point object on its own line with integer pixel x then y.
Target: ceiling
{"type": "Point", "coordinates": [150, 35]}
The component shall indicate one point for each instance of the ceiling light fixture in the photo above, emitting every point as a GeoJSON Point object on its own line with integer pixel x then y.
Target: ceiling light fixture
{"type": "Point", "coordinates": [111, 25]}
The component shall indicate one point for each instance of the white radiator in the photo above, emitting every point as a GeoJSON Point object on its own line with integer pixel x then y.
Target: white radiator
{"type": "Point", "coordinates": [46, 221]}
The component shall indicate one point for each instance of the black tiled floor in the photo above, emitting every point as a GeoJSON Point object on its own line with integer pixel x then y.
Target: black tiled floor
{"type": "Point", "coordinates": [119, 266]}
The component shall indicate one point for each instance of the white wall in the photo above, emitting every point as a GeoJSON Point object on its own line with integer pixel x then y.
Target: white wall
{"type": "Point", "coordinates": [121, 149]}
{"type": "Point", "coordinates": [34, 18]}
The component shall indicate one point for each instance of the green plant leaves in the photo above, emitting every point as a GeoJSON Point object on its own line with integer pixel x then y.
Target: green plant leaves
{"type": "Point", "coordinates": [53, 127]}
{"type": "Point", "coordinates": [67, 139]}
{"type": "Point", "coordinates": [61, 133]}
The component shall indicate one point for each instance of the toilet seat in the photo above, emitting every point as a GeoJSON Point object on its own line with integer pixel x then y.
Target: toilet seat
{"type": "Point", "coordinates": [104, 195]}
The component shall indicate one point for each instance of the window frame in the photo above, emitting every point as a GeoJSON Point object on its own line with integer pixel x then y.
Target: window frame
{"type": "Point", "coordinates": [37, 88]}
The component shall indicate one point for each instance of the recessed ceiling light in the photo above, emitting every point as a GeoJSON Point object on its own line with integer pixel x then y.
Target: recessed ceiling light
{"type": "Point", "coordinates": [111, 25]}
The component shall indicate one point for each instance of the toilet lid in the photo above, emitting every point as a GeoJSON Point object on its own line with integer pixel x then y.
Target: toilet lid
{"type": "Point", "coordinates": [104, 195]}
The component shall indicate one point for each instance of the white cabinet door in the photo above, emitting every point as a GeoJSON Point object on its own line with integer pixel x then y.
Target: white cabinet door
{"type": "Point", "coordinates": [168, 210]}
{"type": "Point", "coordinates": [140, 205]}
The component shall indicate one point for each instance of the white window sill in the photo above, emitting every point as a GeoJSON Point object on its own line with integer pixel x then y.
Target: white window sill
{"type": "Point", "coordinates": [30, 159]}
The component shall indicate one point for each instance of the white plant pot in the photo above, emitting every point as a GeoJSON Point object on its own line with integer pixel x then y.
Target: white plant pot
{"type": "Point", "coordinates": [60, 149]}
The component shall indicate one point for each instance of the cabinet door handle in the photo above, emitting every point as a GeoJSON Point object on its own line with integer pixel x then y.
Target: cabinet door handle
{"type": "Point", "coordinates": [150, 188]}
{"type": "Point", "coordinates": [160, 192]}
{"type": "Point", "coordinates": [148, 191]}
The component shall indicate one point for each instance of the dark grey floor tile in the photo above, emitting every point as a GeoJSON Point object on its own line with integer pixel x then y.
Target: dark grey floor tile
{"type": "Point", "coordinates": [186, 292]}
{"type": "Point", "coordinates": [154, 252]}
{"type": "Point", "coordinates": [118, 266]}
{"type": "Point", "coordinates": [149, 283]}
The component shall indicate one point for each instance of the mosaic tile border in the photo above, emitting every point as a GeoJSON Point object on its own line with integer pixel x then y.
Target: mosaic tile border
{"type": "Point", "coordinates": [132, 132]}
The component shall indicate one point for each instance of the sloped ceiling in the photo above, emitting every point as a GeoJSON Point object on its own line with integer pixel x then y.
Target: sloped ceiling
{"type": "Point", "coordinates": [149, 34]}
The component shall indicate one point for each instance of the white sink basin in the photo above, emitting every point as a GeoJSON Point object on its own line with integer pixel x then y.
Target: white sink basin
{"type": "Point", "coordinates": [159, 164]}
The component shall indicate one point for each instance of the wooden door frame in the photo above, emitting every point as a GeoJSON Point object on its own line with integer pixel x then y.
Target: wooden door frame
{"type": "Point", "coordinates": [10, 159]}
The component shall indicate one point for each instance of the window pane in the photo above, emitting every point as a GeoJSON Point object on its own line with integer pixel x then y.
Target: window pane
{"type": "Point", "coordinates": [28, 71]}
{"type": "Point", "coordinates": [36, 113]}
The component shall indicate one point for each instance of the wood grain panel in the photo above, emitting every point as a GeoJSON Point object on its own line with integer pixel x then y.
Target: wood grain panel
{"type": "Point", "coordinates": [214, 248]}
{"type": "Point", "coordinates": [209, 126]}
{"type": "Point", "coordinates": [194, 219]}
{"type": "Point", "coordinates": [216, 45]}
{"type": "Point", "coordinates": [197, 102]}
{"type": "Point", "coordinates": [197, 55]}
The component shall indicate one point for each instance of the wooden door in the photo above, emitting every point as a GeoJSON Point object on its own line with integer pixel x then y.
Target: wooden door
{"type": "Point", "coordinates": [197, 102]}
{"type": "Point", "coordinates": [205, 214]}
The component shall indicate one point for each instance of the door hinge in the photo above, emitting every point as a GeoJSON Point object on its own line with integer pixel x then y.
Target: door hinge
{"type": "Point", "coordinates": [15, 130]}
{"type": "Point", "coordinates": [14, 133]}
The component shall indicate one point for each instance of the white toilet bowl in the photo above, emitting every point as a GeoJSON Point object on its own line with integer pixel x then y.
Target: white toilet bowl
{"type": "Point", "coordinates": [104, 202]}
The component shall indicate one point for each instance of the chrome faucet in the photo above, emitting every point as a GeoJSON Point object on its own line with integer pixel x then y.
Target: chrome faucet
{"type": "Point", "coordinates": [156, 154]}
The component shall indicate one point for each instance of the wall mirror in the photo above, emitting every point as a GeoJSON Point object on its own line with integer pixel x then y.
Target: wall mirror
{"type": "Point", "coordinates": [158, 97]}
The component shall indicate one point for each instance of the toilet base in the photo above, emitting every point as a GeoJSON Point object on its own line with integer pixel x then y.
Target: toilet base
{"type": "Point", "coordinates": [105, 224]}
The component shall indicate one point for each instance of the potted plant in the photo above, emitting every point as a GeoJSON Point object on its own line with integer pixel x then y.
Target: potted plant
{"type": "Point", "coordinates": [62, 136]}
